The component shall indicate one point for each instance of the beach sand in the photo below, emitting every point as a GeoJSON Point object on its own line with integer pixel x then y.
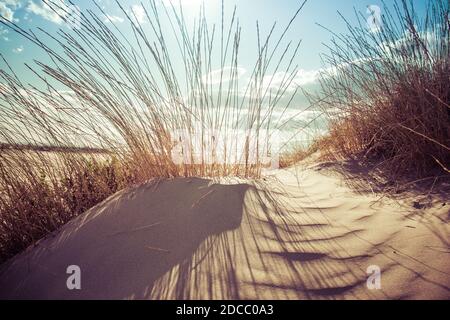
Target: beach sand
{"type": "Point", "coordinates": [299, 233]}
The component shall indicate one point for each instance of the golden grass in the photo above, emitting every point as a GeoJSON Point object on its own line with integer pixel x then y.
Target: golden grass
{"type": "Point", "coordinates": [388, 95]}
{"type": "Point", "coordinates": [298, 153]}
{"type": "Point", "coordinates": [42, 191]}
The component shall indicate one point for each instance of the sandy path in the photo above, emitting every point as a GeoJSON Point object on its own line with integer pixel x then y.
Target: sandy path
{"type": "Point", "coordinates": [299, 234]}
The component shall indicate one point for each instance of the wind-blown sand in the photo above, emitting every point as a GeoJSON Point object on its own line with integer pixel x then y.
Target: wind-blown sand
{"type": "Point", "coordinates": [298, 234]}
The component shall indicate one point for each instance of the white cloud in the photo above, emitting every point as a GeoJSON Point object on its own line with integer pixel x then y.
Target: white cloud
{"type": "Point", "coordinates": [289, 81]}
{"type": "Point", "coordinates": [281, 80]}
{"type": "Point", "coordinates": [3, 33]}
{"type": "Point", "coordinates": [18, 50]}
{"type": "Point", "coordinates": [374, 21]}
{"type": "Point", "coordinates": [13, 3]}
{"type": "Point", "coordinates": [274, 81]}
{"type": "Point", "coordinates": [306, 77]}
{"type": "Point", "coordinates": [408, 42]}
{"type": "Point", "coordinates": [139, 13]}
{"type": "Point", "coordinates": [6, 12]}
{"type": "Point", "coordinates": [184, 3]}
{"type": "Point", "coordinates": [42, 9]}
{"type": "Point", "coordinates": [113, 19]}
{"type": "Point", "coordinates": [56, 13]}
{"type": "Point", "coordinates": [227, 73]}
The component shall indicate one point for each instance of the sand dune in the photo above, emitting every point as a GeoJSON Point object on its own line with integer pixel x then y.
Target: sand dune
{"type": "Point", "coordinates": [297, 234]}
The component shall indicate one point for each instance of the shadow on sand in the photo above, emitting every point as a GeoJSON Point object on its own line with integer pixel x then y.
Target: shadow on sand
{"type": "Point", "coordinates": [193, 239]}
{"type": "Point", "coordinates": [123, 245]}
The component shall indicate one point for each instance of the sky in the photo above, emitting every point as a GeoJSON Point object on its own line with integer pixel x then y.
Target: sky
{"type": "Point", "coordinates": [33, 14]}
{"type": "Point", "coordinates": [308, 27]}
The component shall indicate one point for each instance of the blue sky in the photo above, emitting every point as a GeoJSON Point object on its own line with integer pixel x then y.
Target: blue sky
{"type": "Point", "coordinates": [34, 14]}
{"type": "Point", "coordinates": [31, 14]}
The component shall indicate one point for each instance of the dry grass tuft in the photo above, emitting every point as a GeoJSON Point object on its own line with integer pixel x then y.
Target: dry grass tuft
{"type": "Point", "coordinates": [388, 93]}
{"type": "Point", "coordinates": [37, 199]}
{"type": "Point", "coordinates": [298, 153]}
